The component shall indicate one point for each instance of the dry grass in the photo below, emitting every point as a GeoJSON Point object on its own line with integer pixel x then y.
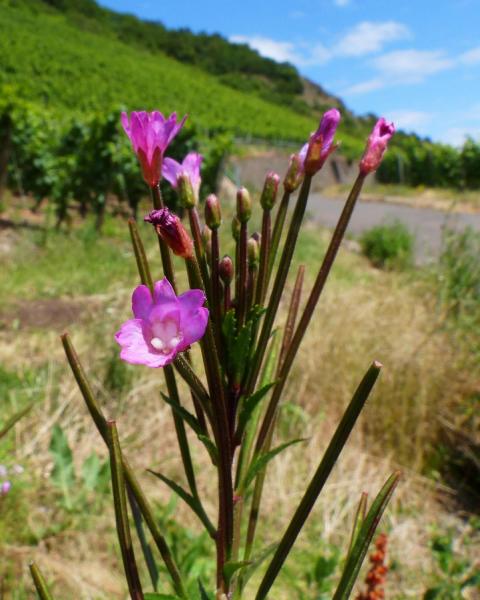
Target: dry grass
{"type": "Point", "coordinates": [380, 317]}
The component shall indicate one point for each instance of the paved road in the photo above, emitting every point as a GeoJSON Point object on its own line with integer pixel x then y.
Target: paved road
{"type": "Point", "coordinates": [425, 223]}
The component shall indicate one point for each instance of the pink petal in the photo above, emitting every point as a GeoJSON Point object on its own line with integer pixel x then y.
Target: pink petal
{"type": "Point", "coordinates": [135, 349]}
{"type": "Point", "coordinates": [170, 170]}
{"type": "Point", "coordinates": [191, 300]}
{"type": "Point", "coordinates": [163, 291]}
{"type": "Point", "coordinates": [193, 328]}
{"type": "Point", "coordinates": [141, 302]}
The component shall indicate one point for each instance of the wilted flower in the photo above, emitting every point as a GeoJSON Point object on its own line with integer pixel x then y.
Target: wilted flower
{"type": "Point", "coordinates": [163, 325]}
{"type": "Point", "coordinates": [171, 230]}
{"type": "Point", "coordinates": [376, 146]}
{"type": "Point", "coordinates": [150, 134]}
{"type": "Point", "coordinates": [189, 167]}
{"type": "Point", "coordinates": [321, 145]}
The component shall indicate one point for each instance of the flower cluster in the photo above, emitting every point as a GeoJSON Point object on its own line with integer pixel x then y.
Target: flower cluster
{"type": "Point", "coordinates": [376, 576]}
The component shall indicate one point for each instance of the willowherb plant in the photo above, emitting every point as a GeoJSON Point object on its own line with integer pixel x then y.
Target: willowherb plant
{"type": "Point", "coordinates": [230, 309]}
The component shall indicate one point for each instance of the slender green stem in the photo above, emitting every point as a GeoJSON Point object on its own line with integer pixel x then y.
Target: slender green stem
{"type": "Point", "coordinates": [40, 583]}
{"type": "Point", "coordinates": [146, 549]}
{"type": "Point", "coordinates": [200, 251]}
{"type": "Point", "coordinates": [264, 255]}
{"type": "Point", "coordinates": [140, 255]}
{"type": "Point", "coordinates": [358, 520]}
{"type": "Point", "coordinates": [312, 301]}
{"type": "Point", "coordinates": [216, 291]}
{"type": "Point", "coordinates": [194, 382]}
{"type": "Point", "coordinates": [291, 317]}
{"type": "Point", "coordinates": [121, 514]}
{"type": "Point", "coordinates": [277, 234]}
{"type": "Point", "coordinates": [13, 420]}
{"type": "Point", "coordinates": [318, 481]}
{"type": "Point", "coordinates": [280, 279]}
{"type": "Point", "coordinates": [101, 424]}
{"type": "Point", "coordinates": [243, 276]}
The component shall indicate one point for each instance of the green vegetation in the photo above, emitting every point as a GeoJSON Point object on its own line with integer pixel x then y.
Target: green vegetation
{"type": "Point", "coordinates": [389, 246]}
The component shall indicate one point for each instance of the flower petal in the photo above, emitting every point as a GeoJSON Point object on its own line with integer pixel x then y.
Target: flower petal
{"type": "Point", "coordinates": [170, 170]}
{"type": "Point", "coordinates": [141, 302]}
{"type": "Point", "coordinates": [135, 349]}
{"type": "Point", "coordinates": [163, 291]}
{"type": "Point", "coordinates": [193, 327]}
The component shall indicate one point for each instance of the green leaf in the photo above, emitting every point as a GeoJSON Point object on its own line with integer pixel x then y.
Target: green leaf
{"type": "Point", "coordinates": [193, 503]}
{"type": "Point", "coordinates": [365, 535]}
{"type": "Point", "coordinates": [250, 404]}
{"type": "Point", "coordinates": [210, 446]}
{"type": "Point", "coordinates": [432, 593]}
{"type": "Point", "coordinates": [238, 345]}
{"type": "Point", "coordinates": [324, 567]}
{"type": "Point", "coordinates": [95, 473]}
{"type": "Point", "coordinates": [63, 473]}
{"type": "Point", "coordinates": [472, 580]}
{"type": "Point", "coordinates": [157, 596]}
{"type": "Point", "coordinates": [231, 567]}
{"type": "Point", "coordinates": [184, 414]}
{"type": "Point", "coordinates": [13, 420]}
{"type": "Point", "coordinates": [256, 561]}
{"type": "Point", "coordinates": [261, 460]}
{"type": "Point", "coordinates": [204, 595]}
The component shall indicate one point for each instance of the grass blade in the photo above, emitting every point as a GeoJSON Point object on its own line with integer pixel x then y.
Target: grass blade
{"type": "Point", "coordinates": [318, 481]}
{"type": "Point", "coordinates": [13, 420]}
{"type": "Point", "coordinates": [365, 535]}
{"type": "Point", "coordinates": [40, 583]}
{"type": "Point", "coordinates": [121, 514]}
{"type": "Point", "coordinates": [358, 520]}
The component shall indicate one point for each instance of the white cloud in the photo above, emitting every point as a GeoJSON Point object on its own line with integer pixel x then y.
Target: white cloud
{"type": "Point", "coordinates": [280, 51]}
{"type": "Point", "coordinates": [369, 37]}
{"type": "Point", "coordinates": [364, 87]}
{"type": "Point", "coordinates": [410, 119]}
{"type": "Point", "coordinates": [341, 2]}
{"type": "Point", "coordinates": [471, 57]}
{"type": "Point", "coordinates": [412, 66]}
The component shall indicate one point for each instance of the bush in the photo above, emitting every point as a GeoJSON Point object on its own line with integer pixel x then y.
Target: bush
{"type": "Point", "coordinates": [389, 246]}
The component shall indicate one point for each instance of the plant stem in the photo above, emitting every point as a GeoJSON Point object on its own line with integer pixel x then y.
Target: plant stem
{"type": "Point", "coordinates": [140, 255]}
{"type": "Point", "coordinates": [280, 279]}
{"type": "Point", "coordinates": [121, 514]}
{"type": "Point", "coordinates": [216, 306]}
{"type": "Point", "coordinates": [318, 481]}
{"type": "Point", "coordinates": [200, 251]}
{"type": "Point", "coordinates": [264, 255]}
{"type": "Point", "coordinates": [243, 276]}
{"type": "Point", "coordinates": [276, 235]}
{"type": "Point", "coordinates": [40, 583]}
{"type": "Point", "coordinates": [310, 306]}
{"type": "Point", "coordinates": [164, 249]}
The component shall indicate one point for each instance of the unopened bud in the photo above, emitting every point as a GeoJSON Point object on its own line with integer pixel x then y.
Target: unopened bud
{"type": "Point", "coordinates": [270, 189]}
{"type": "Point", "coordinates": [185, 191]}
{"type": "Point", "coordinates": [376, 146]}
{"type": "Point", "coordinates": [171, 230]}
{"type": "Point", "coordinates": [236, 228]}
{"type": "Point", "coordinates": [225, 269]}
{"type": "Point", "coordinates": [253, 251]}
{"type": "Point", "coordinates": [257, 236]}
{"type": "Point", "coordinates": [213, 216]}
{"type": "Point", "coordinates": [244, 205]}
{"type": "Point", "coordinates": [321, 145]}
{"type": "Point", "coordinates": [294, 176]}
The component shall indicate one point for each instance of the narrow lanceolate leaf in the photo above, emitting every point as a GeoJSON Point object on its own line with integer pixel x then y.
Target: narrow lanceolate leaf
{"type": "Point", "coordinates": [249, 405]}
{"type": "Point", "coordinates": [186, 415]}
{"type": "Point", "coordinates": [364, 537]}
{"type": "Point", "coordinates": [203, 592]}
{"type": "Point", "coordinates": [193, 503]}
{"type": "Point", "coordinates": [358, 520]}
{"type": "Point", "coordinates": [13, 420]}
{"type": "Point", "coordinates": [232, 567]}
{"type": "Point", "coordinates": [121, 514]}
{"type": "Point", "coordinates": [256, 561]}
{"type": "Point", "coordinates": [318, 481]}
{"type": "Point", "coordinates": [259, 462]}
{"type": "Point", "coordinates": [40, 583]}
{"type": "Point", "coordinates": [140, 255]}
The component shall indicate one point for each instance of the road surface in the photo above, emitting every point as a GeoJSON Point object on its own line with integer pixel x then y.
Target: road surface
{"type": "Point", "coordinates": [425, 223]}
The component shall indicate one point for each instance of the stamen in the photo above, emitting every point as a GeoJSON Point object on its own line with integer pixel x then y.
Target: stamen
{"type": "Point", "coordinates": [157, 343]}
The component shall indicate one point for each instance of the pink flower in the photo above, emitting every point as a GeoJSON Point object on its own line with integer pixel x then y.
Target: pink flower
{"type": "Point", "coordinates": [376, 146]}
{"type": "Point", "coordinates": [150, 134]}
{"type": "Point", "coordinates": [320, 145]}
{"type": "Point", "coordinates": [173, 233]}
{"type": "Point", "coordinates": [163, 325]}
{"type": "Point", "coordinates": [190, 167]}
{"type": "Point", "coordinates": [5, 488]}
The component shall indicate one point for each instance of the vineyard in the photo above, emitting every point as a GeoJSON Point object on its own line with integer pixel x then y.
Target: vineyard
{"type": "Point", "coordinates": [63, 84]}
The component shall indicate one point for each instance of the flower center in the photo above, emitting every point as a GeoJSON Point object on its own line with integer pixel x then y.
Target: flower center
{"type": "Point", "coordinates": [165, 336]}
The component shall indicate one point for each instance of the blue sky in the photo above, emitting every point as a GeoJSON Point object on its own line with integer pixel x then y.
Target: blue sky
{"type": "Point", "coordinates": [416, 62]}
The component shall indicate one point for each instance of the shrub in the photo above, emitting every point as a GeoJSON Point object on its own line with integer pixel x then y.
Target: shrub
{"type": "Point", "coordinates": [389, 246]}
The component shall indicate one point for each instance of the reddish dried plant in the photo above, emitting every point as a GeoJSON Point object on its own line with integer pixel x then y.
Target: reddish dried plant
{"type": "Point", "coordinates": [377, 575]}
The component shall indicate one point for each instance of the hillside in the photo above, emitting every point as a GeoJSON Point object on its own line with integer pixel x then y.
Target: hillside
{"type": "Point", "coordinates": [53, 62]}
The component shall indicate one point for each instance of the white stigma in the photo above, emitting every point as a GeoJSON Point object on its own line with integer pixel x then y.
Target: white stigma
{"type": "Point", "coordinates": [157, 343]}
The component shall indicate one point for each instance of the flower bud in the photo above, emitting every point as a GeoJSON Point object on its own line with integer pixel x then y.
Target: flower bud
{"type": "Point", "coordinates": [225, 269]}
{"type": "Point", "coordinates": [376, 146]}
{"type": "Point", "coordinates": [257, 236]}
{"type": "Point", "coordinates": [244, 205]}
{"type": "Point", "coordinates": [253, 252]}
{"type": "Point", "coordinates": [185, 190]}
{"type": "Point", "coordinates": [236, 228]}
{"type": "Point", "coordinates": [295, 173]}
{"type": "Point", "coordinates": [171, 230]}
{"type": "Point", "coordinates": [213, 216]}
{"type": "Point", "coordinates": [270, 189]}
{"type": "Point", "coordinates": [321, 145]}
